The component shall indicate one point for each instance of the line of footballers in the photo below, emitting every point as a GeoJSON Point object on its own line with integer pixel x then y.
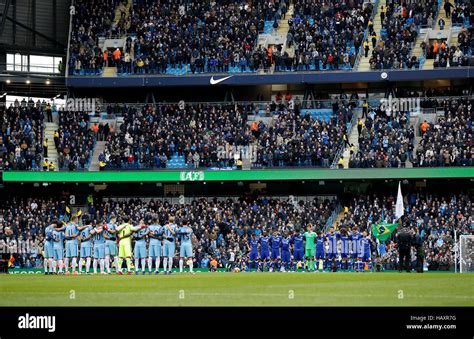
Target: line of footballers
{"type": "Point", "coordinates": [109, 244]}
{"type": "Point", "coordinates": [312, 251]}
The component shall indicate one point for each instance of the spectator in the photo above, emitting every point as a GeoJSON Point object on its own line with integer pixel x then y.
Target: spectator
{"type": "Point", "coordinates": [21, 132]}
{"type": "Point", "coordinates": [385, 140]}
{"type": "Point", "coordinates": [209, 135]}
{"type": "Point", "coordinates": [400, 22]}
{"type": "Point", "coordinates": [76, 140]}
{"type": "Point", "coordinates": [435, 216]}
{"type": "Point", "coordinates": [449, 141]}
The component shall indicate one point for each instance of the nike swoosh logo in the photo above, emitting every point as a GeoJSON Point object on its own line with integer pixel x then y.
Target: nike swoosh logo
{"type": "Point", "coordinates": [215, 82]}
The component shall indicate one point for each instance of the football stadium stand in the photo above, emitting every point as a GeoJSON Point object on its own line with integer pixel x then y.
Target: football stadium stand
{"type": "Point", "coordinates": [233, 136]}
{"type": "Point", "coordinates": [436, 216]}
{"type": "Point", "coordinates": [115, 37]}
{"type": "Point", "coordinates": [203, 136]}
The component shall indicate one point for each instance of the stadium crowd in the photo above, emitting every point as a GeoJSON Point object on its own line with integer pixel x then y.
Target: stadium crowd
{"type": "Point", "coordinates": [22, 224]}
{"type": "Point", "coordinates": [74, 140]}
{"type": "Point", "coordinates": [449, 140]}
{"type": "Point", "coordinates": [386, 139]}
{"type": "Point", "coordinates": [21, 135]}
{"type": "Point", "coordinates": [400, 23]}
{"type": "Point", "coordinates": [324, 35]}
{"type": "Point", "coordinates": [149, 136]}
{"type": "Point", "coordinates": [215, 36]}
{"type": "Point", "coordinates": [197, 37]}
{"type": "Point", "coordinates": [451, 56]}
{"type": "Point", "coordinates": [91, 19]}
{"type": "Point", "coordinates": [297, 139]}
{"type": "Point", "coordinates": [211, 135]}
{"type": "Point", "coordinates": [461, 13]}
{"type": "Point", "coordinates": [435, 216]}
{"type": "Point", "coordinates": [207, 36]}
{"type": "Point", "coordinates": [206, 135]}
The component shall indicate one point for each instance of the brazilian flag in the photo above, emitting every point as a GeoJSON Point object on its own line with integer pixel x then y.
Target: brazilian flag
{"type": "Point", "coordinates": [382, 231]}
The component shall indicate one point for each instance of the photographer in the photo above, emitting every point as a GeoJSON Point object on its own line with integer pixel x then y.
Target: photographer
{"type": "Point", "coordinates": [404, 242]}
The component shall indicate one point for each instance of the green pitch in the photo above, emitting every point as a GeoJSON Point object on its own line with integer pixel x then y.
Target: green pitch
{"type": "Point", "coordinates": [240, 289]}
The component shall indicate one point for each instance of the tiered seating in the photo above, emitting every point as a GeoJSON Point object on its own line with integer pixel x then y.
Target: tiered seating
{"type": "Point", "coordinates": [176, 161]}
{"type": "Point", "coordinates": [92, 19]}
{"type": "Point", "coordinates": [449, 141]}
{"type": "Point", "coordinates": [318, 114]}
{"type": "Point", "coordinates": [21, 132]}
{"type": "Point", "coordinates": [435, 216]}
{"type": "Point", "coordinates": [325, 35]}
{"type": "Point", "coordinates": [268, 27]}
{"type": "Point", "coordinates": [386, 139]}
{"type": "Point", "coordinates": [399, 31]}
{"type": "Point", "coordinates": [76, 141]}
{"type": "Point", "coordinates": [194, 37]}
{"type": "Point", "coordinates": [208, 135]}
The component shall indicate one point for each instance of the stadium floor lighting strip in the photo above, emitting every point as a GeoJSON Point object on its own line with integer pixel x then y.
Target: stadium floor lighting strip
{"type": "Point", "coordinates": [242, 175]}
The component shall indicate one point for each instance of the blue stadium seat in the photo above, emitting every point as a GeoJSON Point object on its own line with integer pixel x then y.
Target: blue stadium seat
{"type": "Point", "coordinates": [268, 27]}
{"type": "Point", "coordinates": [321, 114]}
{"type": "Point", "coordinates": [176, 161]}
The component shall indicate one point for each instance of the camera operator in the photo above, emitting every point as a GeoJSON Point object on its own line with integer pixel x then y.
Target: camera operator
{"type": "Point", "coordinates": [404, 242]}
{"type": "Point", "coordinates": [417, 242]}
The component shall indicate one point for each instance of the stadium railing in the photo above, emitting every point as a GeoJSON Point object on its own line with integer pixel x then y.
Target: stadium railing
{"type": "Point", "coordinates": [425, 102]}
{"type": "Point", "coordinates": [341, 147]}
{"type": "Point", "coordinates": [304, 104]}
{"type": "Point", "coordinates": [260, 71]}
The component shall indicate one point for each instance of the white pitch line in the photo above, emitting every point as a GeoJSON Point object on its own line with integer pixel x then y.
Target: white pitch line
{"type": "Point", "coordinates": [282, 295]}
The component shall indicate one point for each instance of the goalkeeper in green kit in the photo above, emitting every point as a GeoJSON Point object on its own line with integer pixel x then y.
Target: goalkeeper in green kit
{"type": "Point", "coordinates": [310, 247]}
{"type": "Point", "coordinates": [124, 234]}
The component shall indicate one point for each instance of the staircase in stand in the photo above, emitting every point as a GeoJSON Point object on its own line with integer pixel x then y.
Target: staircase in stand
{"type": "Point", "coordinates": [272, 37]}
{"type": "Point", "coordinates": [118, 13]}
{"type": "Point", "coordinates": [283, 29]}
{"type": "Point", "coordinates": [338, 218]}
{"type": "Point", "coordinates": [417, 50]}
{"type": "Point", "coordinates": [364, 64]}
{"type": "Point", "coordinates": [353, 139]}
{"type": "Point", "coordinates": [442, 14]}
{"type": "Point", "coordinates": [49, 129]}
{"type": "Point", "coordinates": [109, 72]}
{"type": "Point", "coordinates": [98, 150]}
